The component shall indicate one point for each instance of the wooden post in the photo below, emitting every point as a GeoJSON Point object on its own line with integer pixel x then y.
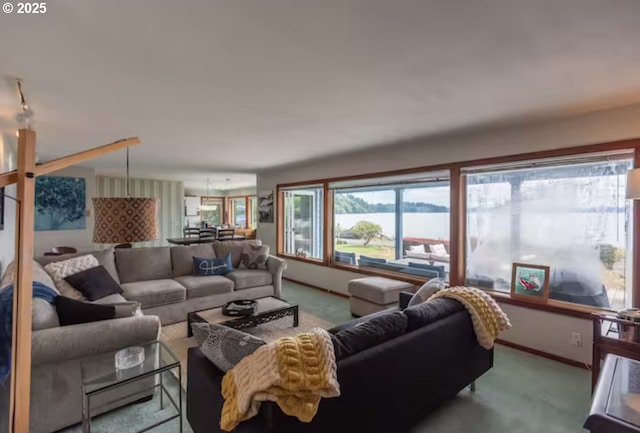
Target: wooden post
{"type": "Point", "coordinates": [23, 285]}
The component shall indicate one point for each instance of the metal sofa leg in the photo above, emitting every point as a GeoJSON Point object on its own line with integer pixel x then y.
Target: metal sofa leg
{"type": "Point", "coordinates": [472, 386]}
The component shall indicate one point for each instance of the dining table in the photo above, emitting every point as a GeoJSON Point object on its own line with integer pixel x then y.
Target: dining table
{"type": "Point", "coordinates": [190, 240]}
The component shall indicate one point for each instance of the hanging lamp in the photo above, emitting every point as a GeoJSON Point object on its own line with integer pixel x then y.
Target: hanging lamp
{"type": "Point", "coordinates": [125, 219]}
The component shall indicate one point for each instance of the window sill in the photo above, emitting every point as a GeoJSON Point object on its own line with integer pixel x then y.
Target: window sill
{"type": "Point", "coordinates": [302, 259]}
{"type": "Point", "coordinates": [552, 306]}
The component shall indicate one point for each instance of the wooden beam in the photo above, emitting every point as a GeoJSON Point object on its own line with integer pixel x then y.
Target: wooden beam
{"type": "Point", "coordinates": [11, 177]}
{"type": "Point", "coordinates": [8, 178]}
{"type": "Point", "coordinates": [23, 284]}
{"type": "Point", "coordinates": [85, 155]}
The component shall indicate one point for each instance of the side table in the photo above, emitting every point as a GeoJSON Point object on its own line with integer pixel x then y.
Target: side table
{"type": "Point", "coordinates": [100, 377]}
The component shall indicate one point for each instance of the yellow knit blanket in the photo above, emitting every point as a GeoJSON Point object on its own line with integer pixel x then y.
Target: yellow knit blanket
{"type": "Point", "coordinates": [295, 372]}
{"type": "Point", "coordinates": [488, 318]}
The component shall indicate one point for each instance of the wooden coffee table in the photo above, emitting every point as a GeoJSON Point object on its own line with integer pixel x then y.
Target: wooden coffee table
{"type": "Point", "coordinates": [268, 309]}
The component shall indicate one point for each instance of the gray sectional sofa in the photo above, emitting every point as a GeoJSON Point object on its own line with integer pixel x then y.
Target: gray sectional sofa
{"type": "Point", "coordinates": [160, 278]}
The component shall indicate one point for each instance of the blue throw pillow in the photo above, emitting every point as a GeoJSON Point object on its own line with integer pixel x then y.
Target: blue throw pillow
{"type": "Point", "coordinates": [215, 266]}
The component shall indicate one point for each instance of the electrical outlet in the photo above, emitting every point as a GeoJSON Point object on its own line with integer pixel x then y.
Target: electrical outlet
{"type": "Point", "coordinates": [575, 339]}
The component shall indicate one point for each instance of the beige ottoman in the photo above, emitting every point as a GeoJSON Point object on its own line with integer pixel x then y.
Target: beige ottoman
{"type": "Point", "coordinates": [372, 294]}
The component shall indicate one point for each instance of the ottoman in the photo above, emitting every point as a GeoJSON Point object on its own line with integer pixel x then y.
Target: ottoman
{"type": "Point", "coordinates": [372, 294]}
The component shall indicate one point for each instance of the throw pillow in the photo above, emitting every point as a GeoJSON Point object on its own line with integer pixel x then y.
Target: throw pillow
{"type": "Point", "coordinates": [213, 266]}
{"type": "Point", "coordinates": [425, 292]}
{"type": "Point", "coordinates": [60, 270]}
{"type": "Point", "coordinates": [417, 248]}
{"type": "Point", "coordinates": [223, 346]}
{"type": "Point", "coordinates": [73, 312]}
{"type": "Point", "coordinates": [94, 283]}
{"type": "Point", "coordinates": [368, 333]}
{"type": "Point", "coordinates": [438, 249]}
{"type": "Point", "coordinates": [254, 257]}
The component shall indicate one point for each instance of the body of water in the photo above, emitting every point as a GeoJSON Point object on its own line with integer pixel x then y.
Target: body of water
{"type": "Point", "coordinates": [580, 227]}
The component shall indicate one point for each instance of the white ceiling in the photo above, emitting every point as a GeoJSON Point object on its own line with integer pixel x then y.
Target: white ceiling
{"type": "Point", "coordinates": [237, 86]}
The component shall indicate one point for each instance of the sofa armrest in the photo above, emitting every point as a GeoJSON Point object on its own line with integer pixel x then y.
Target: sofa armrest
{"type": "Point", "coordinates": [276, 266]}
{"type": "Point", "coordinates": [403, 299]}
{"type": "Point", "coordinates": [78, 341]}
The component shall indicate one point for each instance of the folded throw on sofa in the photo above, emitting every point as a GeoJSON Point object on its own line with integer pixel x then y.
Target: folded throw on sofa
{"type": "Point", "coordinates": [6, 322]}
{"type": "Point", "coordinates": [488, 318]}
{"type": "Point", "coordinates": [295, 372]}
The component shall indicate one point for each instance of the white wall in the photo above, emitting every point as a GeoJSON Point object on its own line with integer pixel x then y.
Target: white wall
{"type": "Point", "coordinates": [543, 331]}
{"type": "Point", "coordinates": [8, 160]}
{"type": "Point", "coordinates": [79, 239]}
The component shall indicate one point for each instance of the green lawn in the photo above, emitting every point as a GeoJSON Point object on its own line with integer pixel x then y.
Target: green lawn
{"type": "Point", "coordinates": [377, 251]}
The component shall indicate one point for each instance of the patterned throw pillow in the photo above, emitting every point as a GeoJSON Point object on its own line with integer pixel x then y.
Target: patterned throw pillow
{"type": "Point", "coordinates": [59, 270]}
{"type": "Point", "coordinates": [223, 346]}
{"type": "Point", "coordinates": [254, 257]}
{"type": "Point", "coordinates": [425, 292]}
{"type": "Point", "coordinates": [212, 266]}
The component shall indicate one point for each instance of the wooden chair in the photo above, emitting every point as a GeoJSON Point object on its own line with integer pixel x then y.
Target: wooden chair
{"type": "Point", "coordinates": [208, 233]}
{"type": "Point", "coordinates": [226, 234]}
{"type": "Point", "coordinates": [58, 251]}
{"type": "Point", "coordinates": [191, 231]}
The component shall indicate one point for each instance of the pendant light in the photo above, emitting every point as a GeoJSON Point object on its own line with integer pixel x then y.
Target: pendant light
{"type": "Point", "coordinates": [125, 219]}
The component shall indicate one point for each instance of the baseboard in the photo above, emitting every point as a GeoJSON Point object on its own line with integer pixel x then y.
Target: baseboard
{"type": "Point", "coordinates": [544, 354]}
{"type": "Point", "coordinates": [342, 295]}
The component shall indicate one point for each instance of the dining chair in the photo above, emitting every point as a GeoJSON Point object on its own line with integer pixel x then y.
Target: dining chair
{"type": "Point", "coordinates": [191, 231]}
{"type": "Point", "coordinates": [226, 234]}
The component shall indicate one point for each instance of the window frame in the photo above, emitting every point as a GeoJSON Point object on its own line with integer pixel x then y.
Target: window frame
{"type": "Point", "coordinates": [232, 212]}
{"type": "Point", "coordinates": [458, 207]}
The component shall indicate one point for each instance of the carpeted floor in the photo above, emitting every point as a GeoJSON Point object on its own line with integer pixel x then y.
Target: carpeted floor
{"type": "Point", "coordinates": [521, 394]}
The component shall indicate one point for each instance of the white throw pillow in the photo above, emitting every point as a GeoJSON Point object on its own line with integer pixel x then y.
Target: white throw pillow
{"type": "Point", "coordinates": [417, 248]}
{"type": "Point", "coordinates": [426, 291]}
{"type": "Point", "coordinates": [438, 249]}
{"type": "Point", "coordinates": [59, 270]}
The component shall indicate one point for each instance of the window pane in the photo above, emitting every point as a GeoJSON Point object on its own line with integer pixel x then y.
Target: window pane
{"type": "Point", "coordinates": [238, 206]}
{"type": "Point", "coordinates": [401, 228]}
{"type": "Point", "coordinates": [303, 222]}
{"type": "Point", "coordinates": [572, 217]}
{"type": "Point", "coordinates": [254, 211]}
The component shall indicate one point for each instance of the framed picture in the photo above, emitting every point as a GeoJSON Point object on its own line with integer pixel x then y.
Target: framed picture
{"type": "Point", "coordinates": [265, 207]}
{"type": "Point", "coordinates": [61, 203]}
{"type": "Point", "coordinates": [530, 282]}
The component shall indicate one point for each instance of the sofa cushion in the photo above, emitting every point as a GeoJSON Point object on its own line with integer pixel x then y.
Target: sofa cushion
{"type": "Point", "coordinates": [222, 248]}
{"type": "Point", "coordinates": [428, 312]}
{"type": "Point", "coordinates": [247, 278]}
{"type": "Point", "coordinates": [153, 293]}
{"type": "Point", "coordinates": [111, 299]}
{"type": "Point", "coordinates": [199, 286]}
{"type": "Point", "coordinates": [39, 275]}
{"type": "Point", "coordinates": [74, 312]}
{"type": "Point", "coordinates": [60, 270]}
{"type": "Point", "coordinates": [43, 315]}
{"type": "Point", "coordinates": [143, 264]}
{"type": "Point", "coordinates": [105, 257]}
{"type": "Point", "coordinates": [94, 283]}
{"type": "Point", "coordinates": [182, 257]}
{"type": "Point", "coordinates": [368, 333]}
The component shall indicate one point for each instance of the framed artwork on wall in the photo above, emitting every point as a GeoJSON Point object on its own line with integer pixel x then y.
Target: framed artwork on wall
{"type": "Point", "coordinates": [265, 206]}
{"type": "Point", "coordinates": [61, 203]}
{"type": "Point", "coordinates": [530, 282]}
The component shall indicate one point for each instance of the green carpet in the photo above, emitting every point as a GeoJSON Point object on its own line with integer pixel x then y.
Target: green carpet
{"type": "Point", "coordinates": [521, 394]}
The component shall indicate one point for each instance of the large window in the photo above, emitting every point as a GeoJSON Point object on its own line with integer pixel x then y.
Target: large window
{"type": "Point", "coordinates": [238, 216]}
{"type": "Point", "coordinates": [395, 223]}
{"type": "Point", "coordinates": [569, 214]}
{"type": "Point", "coordinates": [303, 221]}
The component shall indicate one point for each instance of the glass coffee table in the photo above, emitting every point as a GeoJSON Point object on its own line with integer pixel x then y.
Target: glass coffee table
{"type": "Point", "coordinates": [268, 309]}
{"type": "Point", "coordinates": [101, 378]}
